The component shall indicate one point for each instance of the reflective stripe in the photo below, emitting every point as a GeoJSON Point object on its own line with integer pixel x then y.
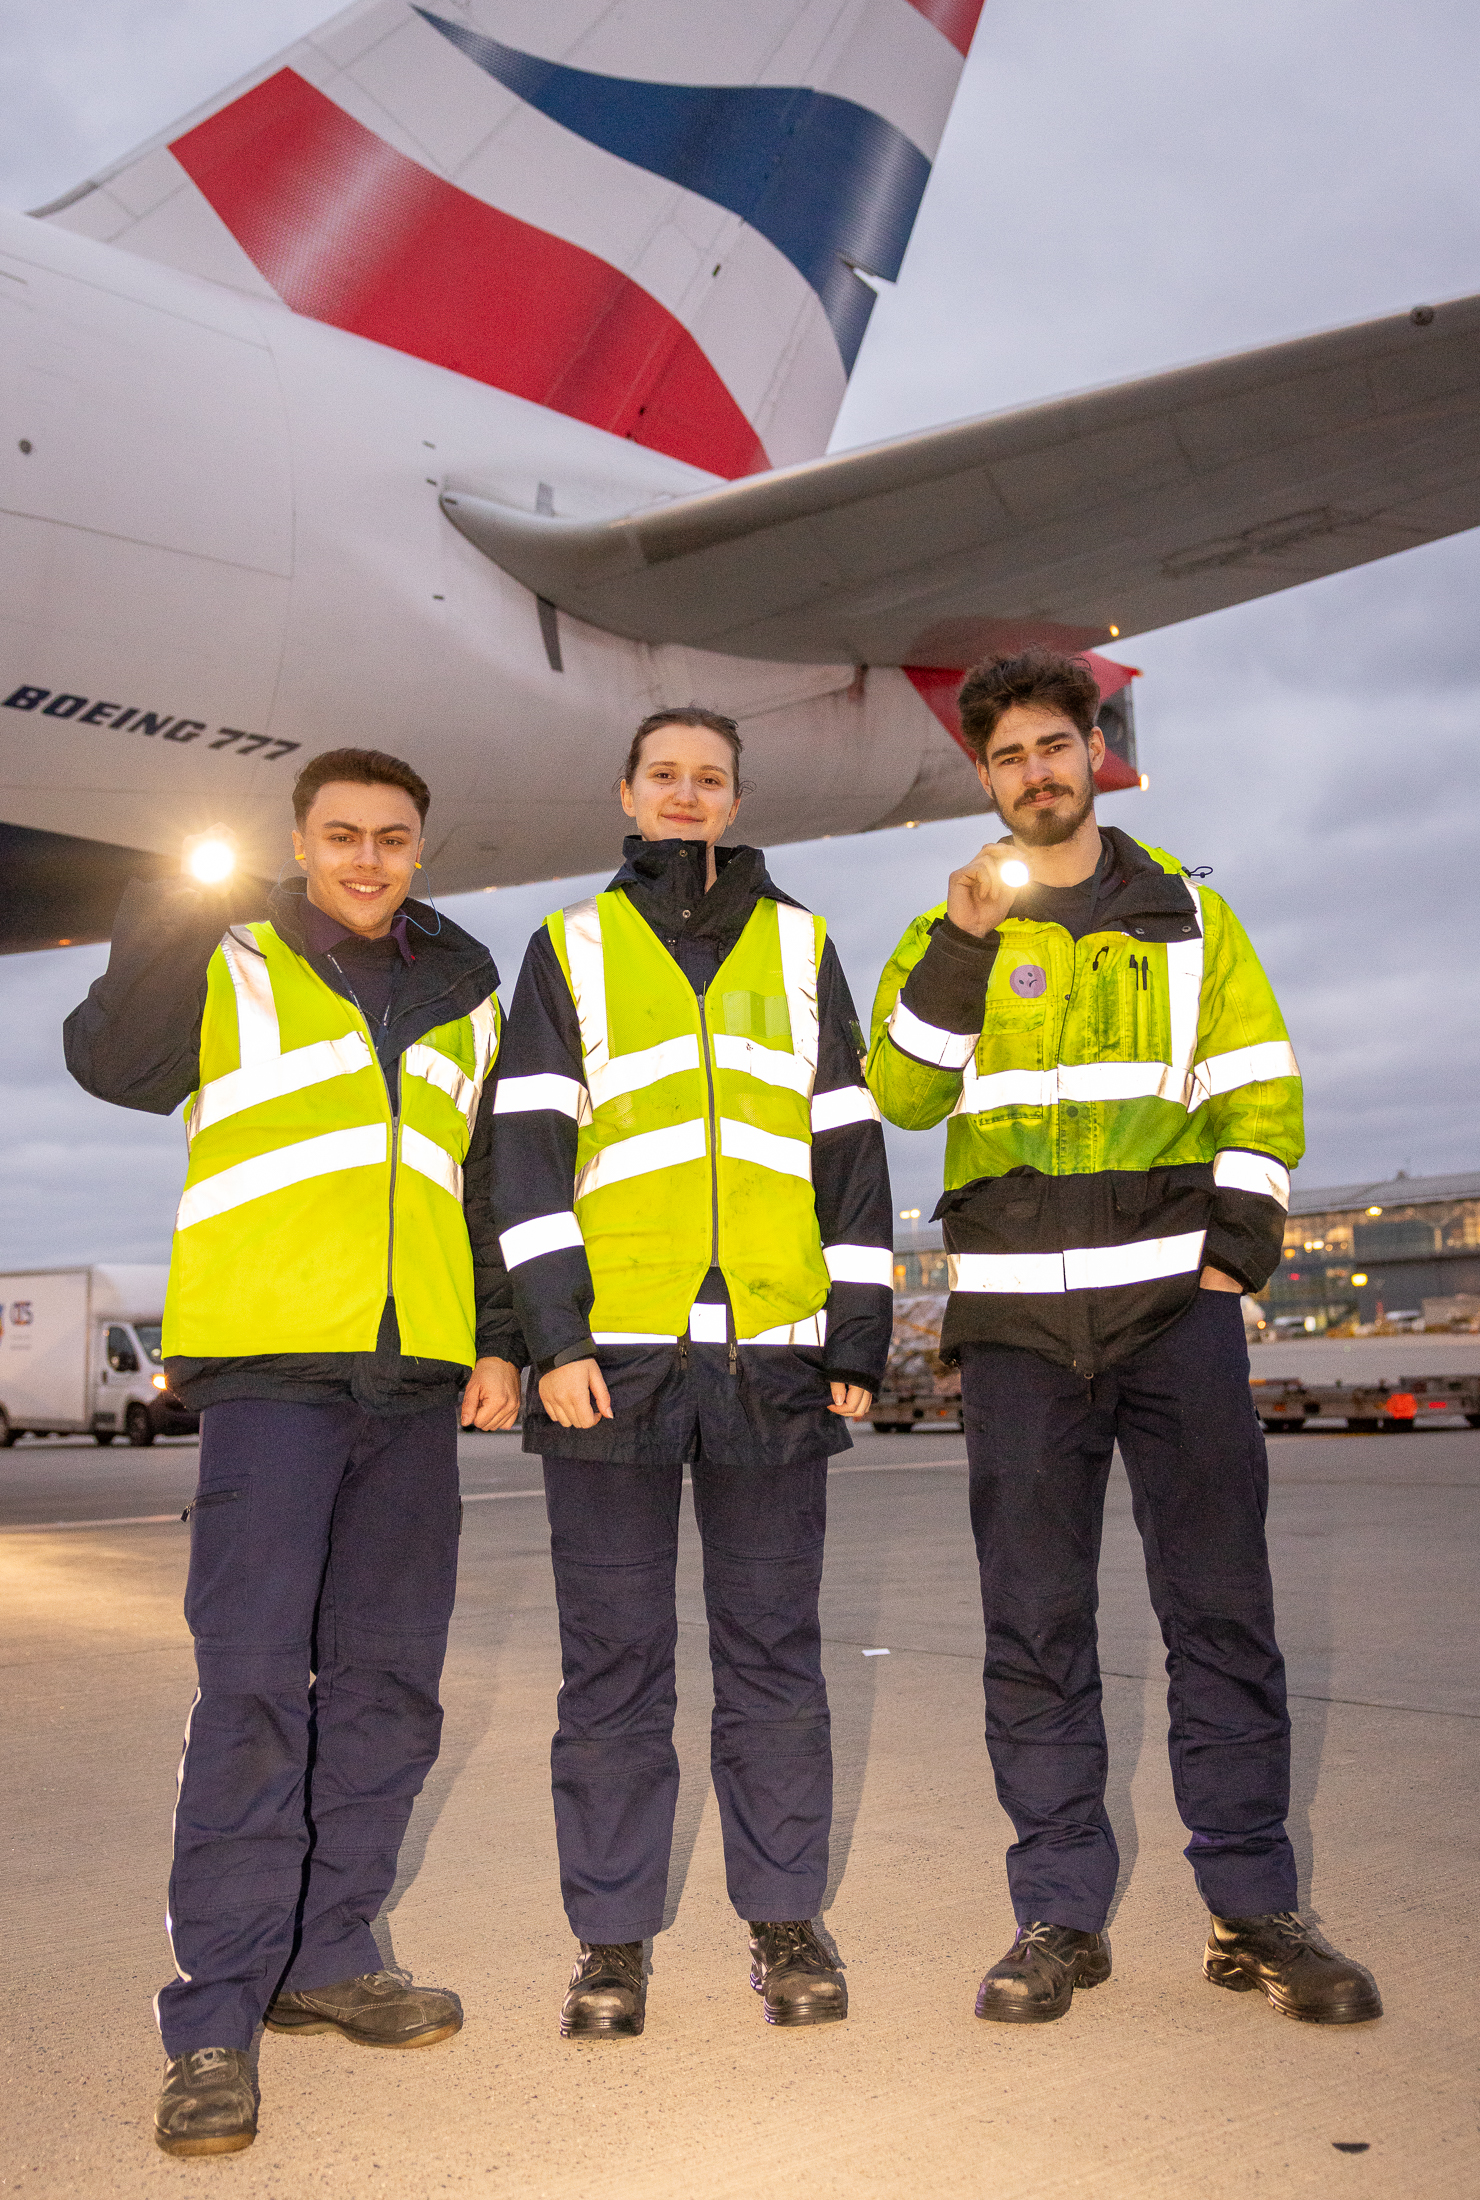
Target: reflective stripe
{"type": "Point", "coordinates": [769, 1064]}
{"type": "Point", "coordinates": [429, 1159]}
{"type": "Point", "coordinates": [743, 1142]}
{"type": "Point", "coordinates": [860, 1264]}
{"type": "Point", "coordinates": [1101, 1267]}
{"type": "Point", "coordinates": [527, 1095]}
{"type": "Point", "coordinates": [275, 1078]}
{"type": "Point", "coordinates": [631, 1336]}
{"type": "Point", "coordinates": [1005, 1271]}
{"type": "Point", "coordinates": [485, 1022]}
{"type": "Point", "coordinates": [928, 1043]}
{"type": "Point", "coordinates": [169, 1922]}
{"type": "Point", "coordinates": [798, 936]}
{"type": "Point", "coordinates": [644, 1066]}
{"type": "Point", "coordinates": [811, 1331]}
{"type": "Point", "coordinates": [440, 1070]}
{"type": "Point", "coordinates": [641, 1154]}
{"type": "Point", "coordinates": [709, 1324]}
{"type": "Point", "coordinates": [1252, 1172]}
{"type": "Point", "coordinates": [1243, 1066]}
{"type": "Point", "coordinates": [844, 1104]}
{"type": "Point", "coordinates": [360, 1148]}
{"type": "Point", "coordinates": [1008, 1088]}
{"type": "Point", "coordinates": [1123, 1081]}
{"type": "Point", "coordinates": [583, 957]}
{"type": "Point", "coordinates": [1184, 1003]}
{"type": "Point", "coordinates": [541, 1234]}
{"type": "Point", "coordinates": [1081, 1268]}
{"type": "Point", "coordinates": [258, 1038]}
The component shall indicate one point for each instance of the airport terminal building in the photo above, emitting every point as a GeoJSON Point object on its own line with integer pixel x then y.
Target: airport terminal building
{"type": "Point", "coordinates": [1363, 1252]}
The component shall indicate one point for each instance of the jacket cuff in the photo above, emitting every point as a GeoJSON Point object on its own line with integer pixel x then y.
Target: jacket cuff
{"type": "Point", "coordinates": [585, 1350]}
{"type": "Point", "coordinates": [870, 1383]}
{"type": "Point", "coordinates": [947, 989]}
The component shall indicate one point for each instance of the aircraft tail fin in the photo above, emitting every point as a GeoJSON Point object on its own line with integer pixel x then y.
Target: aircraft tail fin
{"type": "Point", "coordinates": [666, 235]}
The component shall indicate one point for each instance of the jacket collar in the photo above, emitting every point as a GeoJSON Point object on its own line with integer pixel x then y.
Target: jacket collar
{"type": "Point", "coordinates": [447, 962]}
{"type": "Point", "coordinates": [666, 880]}
{"type": "Point", "coordinates": [1134, 889]}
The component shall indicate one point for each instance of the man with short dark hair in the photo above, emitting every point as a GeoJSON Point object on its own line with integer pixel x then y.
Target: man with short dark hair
{"type": "Point", "coordinates": [334, 1279]}
{"type": "Point", "coordinates": [1124, 1110]}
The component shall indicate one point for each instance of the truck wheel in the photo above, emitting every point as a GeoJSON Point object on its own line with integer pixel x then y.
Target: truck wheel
{"type": "Point", "coordinates": [104, 1435]}
{"type": "Point", "coordinates": [1473, 1419]}
{"type": "Point", "coordinates": [1284, 1426]}
{"type": "Point", "coordinates": [891, 1428]}
{"type": "Point", "coordinates": [1366, 1426]}
{"type": "Point", "coordinates": [1397, 1428]}
{"type": "Point", "coordinates": [8, 1434]}
{"type": "Point", "coordinates": [138, 1426]}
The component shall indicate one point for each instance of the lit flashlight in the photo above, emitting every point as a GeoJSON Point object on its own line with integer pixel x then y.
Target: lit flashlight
{"type": "Point", "coordinates": [1013, 873]}
{"type": "Point", "coordinates": [210, 857]}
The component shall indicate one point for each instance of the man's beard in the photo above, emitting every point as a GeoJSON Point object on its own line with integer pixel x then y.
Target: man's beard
{"type": "Point", "coordinates": [1035, 828]}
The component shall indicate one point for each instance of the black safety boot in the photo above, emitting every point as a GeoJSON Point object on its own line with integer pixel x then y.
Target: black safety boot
{"type": "Point", "coordinates": [209, 2102]}
{"type": "Point", "coordinates": [1291, 1964]}
{"type": "Point", "coordinates": [797, 1979]}
{"type": "Point", "coordinates": [607, 1995]}
{"type": "Point", "coordinates": [382, 2009]}
{"type": "Point", "coordinates": [1035, 1981]}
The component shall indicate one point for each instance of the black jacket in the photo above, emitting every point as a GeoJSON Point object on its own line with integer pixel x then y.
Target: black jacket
{"type": "Point", "coordinates": [135, 1041]}
{"type": "Point", "coordinates": [758, 1401]}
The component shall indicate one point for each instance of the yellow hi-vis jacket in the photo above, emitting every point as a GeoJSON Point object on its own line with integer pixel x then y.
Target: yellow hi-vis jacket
{"type": "Point", "coordinates": [309, 1198]}
{"type": "Point", "coordinates": [696, 1146]}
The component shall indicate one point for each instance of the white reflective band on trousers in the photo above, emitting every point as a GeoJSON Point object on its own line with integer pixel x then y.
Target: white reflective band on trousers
{"type": "Point", "coordinates": [1081, 1268]}
{"type": "Point", "coordinates": [528, 1095]}
{"type": "Point", "coordinates": [429, 1159]}
{"type": "Point", "coordinates": [928, 1043]}
{"type": "Point", "coordinates": [361, 1148]}
{"type": "Point", "coordinates": [844, 1104]}
{"type": "Point", "coordinates": [541, 1234]}
{"type": "Point", "coordinates": [860, 1264]}
{"type": "Point", "coordinates": [1234, 1171]}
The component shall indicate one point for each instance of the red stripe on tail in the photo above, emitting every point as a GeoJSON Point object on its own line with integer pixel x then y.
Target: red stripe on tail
{"type": "Point", "coordinates": [349, 231]}
{"type": "Point", "coordinates": [954, 19]}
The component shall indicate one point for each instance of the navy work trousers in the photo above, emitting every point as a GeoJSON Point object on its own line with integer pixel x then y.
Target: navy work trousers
{"type": "Point", "coordinates": [323, 1561]}
{"type": "Point", "coordinates": [1039, 1439]}
{"type": "Point", "coordinates": [614, 1542]}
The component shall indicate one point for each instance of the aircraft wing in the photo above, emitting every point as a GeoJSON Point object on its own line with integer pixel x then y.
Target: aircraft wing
{"type": "Point", "coordinates": [1110, 512]}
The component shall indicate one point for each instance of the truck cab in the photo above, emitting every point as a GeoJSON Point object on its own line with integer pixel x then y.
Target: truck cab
{"type": "Point", "coordinates": [132, 1396]}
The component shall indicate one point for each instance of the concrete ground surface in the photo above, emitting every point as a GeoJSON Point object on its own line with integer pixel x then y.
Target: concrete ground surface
{"type": "Point", "coordinates": [1155, 2084]}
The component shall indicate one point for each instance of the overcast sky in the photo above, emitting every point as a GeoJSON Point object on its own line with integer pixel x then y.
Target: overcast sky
{"type": "Point", "coordinates": [1125, 185]}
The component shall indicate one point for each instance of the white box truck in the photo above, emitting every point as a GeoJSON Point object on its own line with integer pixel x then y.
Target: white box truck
{"type": "Point", "coordinates": [80, 1355]}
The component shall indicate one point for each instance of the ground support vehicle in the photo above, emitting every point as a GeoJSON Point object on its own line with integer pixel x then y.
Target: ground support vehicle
{"type": "Point", "coordinates": [80, 1354]}
{"type": "Point", "coordinates": [917, 1390]}
{"type": "Point", "coordinates": [1285, 1403]}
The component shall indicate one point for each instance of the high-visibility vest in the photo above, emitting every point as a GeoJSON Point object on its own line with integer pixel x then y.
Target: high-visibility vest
{"type": "Point", "coordinates": [307, 1201]}
{"type": "Point", "coordinates": [695, 1130]}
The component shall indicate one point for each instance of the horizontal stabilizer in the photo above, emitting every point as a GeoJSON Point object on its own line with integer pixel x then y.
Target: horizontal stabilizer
{"type": "Point", "coordinates": [1112, 512]}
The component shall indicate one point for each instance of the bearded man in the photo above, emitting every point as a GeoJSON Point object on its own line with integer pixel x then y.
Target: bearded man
{"type": "Point", "coordinates": [1124, 1109]}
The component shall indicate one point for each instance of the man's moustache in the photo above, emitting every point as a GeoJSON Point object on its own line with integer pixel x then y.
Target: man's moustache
{"type": "Point", "coordinates": [1025, 801]}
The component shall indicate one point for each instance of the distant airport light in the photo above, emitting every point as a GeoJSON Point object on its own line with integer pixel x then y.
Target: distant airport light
{"type": "Point", "coordinates": [909, 1214]}
{"type": "Point", "coordinates": [1374, 1210]}
{"type": "Point", "coordinates": [1359, 1279]}
{"type": "Point", "coordinates": [1145, 781]}
{"type": "Point", "coordinates": [1115, 633]}
{"type": "Point", "coordinates": [1015, 873]}
{"type": "Point", "coordinates": [210, 857]}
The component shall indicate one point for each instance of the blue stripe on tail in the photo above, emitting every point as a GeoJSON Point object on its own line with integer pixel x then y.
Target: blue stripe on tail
{"type": "Point", "coordinates": [831, 184]}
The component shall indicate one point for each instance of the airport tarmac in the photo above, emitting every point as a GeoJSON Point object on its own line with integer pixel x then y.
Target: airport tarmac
{"type": "Point", "coordinates": [1156, 2084]}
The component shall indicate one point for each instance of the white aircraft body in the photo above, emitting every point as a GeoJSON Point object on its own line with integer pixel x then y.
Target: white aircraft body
{"type": "Point", "coordinates": [457, 384]}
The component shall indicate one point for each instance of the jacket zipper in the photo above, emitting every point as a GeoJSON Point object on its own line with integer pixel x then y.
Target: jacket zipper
{"type": "Point", "coordinates": [713, 1140]}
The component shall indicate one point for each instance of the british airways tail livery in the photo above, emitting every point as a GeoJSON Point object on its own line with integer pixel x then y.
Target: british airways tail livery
{"type": "Point", "coordinates": [459, 384]}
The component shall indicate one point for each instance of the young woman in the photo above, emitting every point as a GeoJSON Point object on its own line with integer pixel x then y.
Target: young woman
{"type": "Point", "coordinates": [694, 1206]}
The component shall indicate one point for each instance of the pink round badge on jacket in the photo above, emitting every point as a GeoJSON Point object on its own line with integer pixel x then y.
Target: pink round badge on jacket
{"type": "Point", "coordinates": [1028, 981]}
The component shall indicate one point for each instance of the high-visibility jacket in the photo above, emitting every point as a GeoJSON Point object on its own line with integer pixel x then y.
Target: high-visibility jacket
{"type": "Point", "coordinates": [1126, 1109]}
{"type": "Point", "coordinates": [695, 1126]}
{"type": "Point", "coordinates": [312, 1194]}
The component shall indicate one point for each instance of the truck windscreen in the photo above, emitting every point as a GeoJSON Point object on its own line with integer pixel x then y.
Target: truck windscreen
{"type": "Point", "coordinates": [150, 1336]}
